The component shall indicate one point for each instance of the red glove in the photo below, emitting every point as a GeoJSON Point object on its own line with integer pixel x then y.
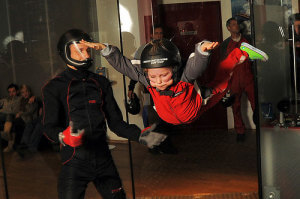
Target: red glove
{"type": "Point", "coordinates": [71, 138]}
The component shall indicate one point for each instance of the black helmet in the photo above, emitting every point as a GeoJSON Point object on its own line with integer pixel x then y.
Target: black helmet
{"type": "Point", "coordinates": [73, 36]}
{"type": "Point", "coordinates": [161, 53]}
{"type": "Point", "coordinates": [133, 106]}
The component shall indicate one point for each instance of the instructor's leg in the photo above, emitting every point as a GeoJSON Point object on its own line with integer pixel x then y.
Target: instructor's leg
{"type": "Point", "coordinates": [72, 182]}
{"type": "Point", "coordinates": [108, 182]}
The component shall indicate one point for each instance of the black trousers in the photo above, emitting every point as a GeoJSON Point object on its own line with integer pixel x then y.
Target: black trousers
{"type": "Point", "coordinates": [84, 167]}
{"type": "Point", "coordinates": [18, 129]}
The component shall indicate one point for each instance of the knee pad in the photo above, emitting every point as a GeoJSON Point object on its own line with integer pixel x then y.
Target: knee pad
{"type": "Point", "coordinates": [118, 193]}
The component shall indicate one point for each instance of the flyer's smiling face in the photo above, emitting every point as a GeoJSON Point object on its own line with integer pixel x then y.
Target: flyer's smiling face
{"type": "Point", "coordinates": [160, 78]}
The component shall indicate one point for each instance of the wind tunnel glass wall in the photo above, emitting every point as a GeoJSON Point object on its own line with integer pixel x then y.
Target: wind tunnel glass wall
{"type": "Point", "coordinates": [198, 159]}
{"type": "Point", "coordinates": [201, 159]}
{"type": "Point", "coordinates": [278, 89]}
{"type": "Point", "coordinates": [29, 35]}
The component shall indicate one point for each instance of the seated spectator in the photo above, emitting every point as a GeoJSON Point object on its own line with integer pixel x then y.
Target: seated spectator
{"type": "Point", "coordinates": [9, 106]}
{"type": "Point", "coordinates": [28, 111]}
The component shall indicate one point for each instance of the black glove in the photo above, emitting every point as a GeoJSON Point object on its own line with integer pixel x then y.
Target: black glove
{"type": "Point", "coordinates": [150, 138]}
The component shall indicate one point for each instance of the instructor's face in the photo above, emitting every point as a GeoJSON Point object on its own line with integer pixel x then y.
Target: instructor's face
{"type": "Point", "coordinates": [79, 52]}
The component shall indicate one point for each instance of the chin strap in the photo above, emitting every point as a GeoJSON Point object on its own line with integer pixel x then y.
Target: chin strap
{"type": "Point", "coordinates": [170, 93]}
{"type": "Point", "coordinates": [166, 92]}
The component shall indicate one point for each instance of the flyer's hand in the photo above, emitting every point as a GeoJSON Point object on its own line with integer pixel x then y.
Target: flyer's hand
{"type": "Point", "coordinates": [207, 46]}
{"type": "Point", "coordinates": [70, 137]}
{"type": "Point", "coordinates": [96, 46]}
{"type": "Point", "coordinates": [150, 138]}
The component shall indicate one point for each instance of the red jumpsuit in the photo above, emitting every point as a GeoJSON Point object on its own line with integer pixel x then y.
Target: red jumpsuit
{"type": "Point", "coordinates": [241, 81]}
{"type": "Point", "coordinates": [184, 104]}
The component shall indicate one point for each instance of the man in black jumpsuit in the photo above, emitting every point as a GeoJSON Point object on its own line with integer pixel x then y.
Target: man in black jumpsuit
{"type": "Point", "coordinates": [77, 106]}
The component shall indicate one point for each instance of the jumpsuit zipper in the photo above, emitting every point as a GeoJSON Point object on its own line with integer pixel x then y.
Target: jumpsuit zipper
{"type": "Point", "coordinates": [86, 105]}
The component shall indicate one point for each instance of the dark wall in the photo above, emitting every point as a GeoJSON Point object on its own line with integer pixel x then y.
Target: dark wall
{"type": "Point", "coordinates": [4, 68]}
{"type": "Point", "coordinates": [3, 23]}
{"type": "Point", "coordinates": [35, 60]}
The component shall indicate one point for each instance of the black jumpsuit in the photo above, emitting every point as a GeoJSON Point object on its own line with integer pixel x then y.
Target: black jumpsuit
{"type": "Point", "coordinates": [86, 99]}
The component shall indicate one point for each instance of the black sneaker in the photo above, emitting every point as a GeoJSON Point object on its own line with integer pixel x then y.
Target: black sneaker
{"type": "Point", "coordinates": [228, 101]}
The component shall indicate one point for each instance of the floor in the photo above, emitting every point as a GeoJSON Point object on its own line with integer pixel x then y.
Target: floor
{"type": "Point", "coordinates": [210, 164]}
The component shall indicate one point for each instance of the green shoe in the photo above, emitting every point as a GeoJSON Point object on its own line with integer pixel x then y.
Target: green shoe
{"type": "Point", "coordinates": [254, 53]}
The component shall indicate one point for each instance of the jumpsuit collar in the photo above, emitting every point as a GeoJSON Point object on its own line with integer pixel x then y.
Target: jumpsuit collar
{"type": "Point", "coordinates": [78, 74]}
{"type": "Point", "coordinates": [165, 92]}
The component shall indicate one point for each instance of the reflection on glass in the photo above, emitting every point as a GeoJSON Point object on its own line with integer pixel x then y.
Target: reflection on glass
{"type": "Point", "coordinates": [126, 22]}
{"type": "Point", "coordinates": [280, 40]}
{"type": "Point", "coordinates": [278, 98]}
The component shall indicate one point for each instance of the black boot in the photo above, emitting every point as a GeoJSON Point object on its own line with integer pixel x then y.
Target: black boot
{"type": "Point", "coordinates": [228, 101]}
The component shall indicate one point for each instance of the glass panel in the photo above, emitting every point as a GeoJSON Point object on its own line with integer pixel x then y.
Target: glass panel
{"type": "Point", "coordinates": [198, 160]}
{"type": "Point", "coordinates": [29, 36]}
{"type": "Point", "coordinates": [278, 97]}
{"type": "Point", "coordinates": [109, 32]}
